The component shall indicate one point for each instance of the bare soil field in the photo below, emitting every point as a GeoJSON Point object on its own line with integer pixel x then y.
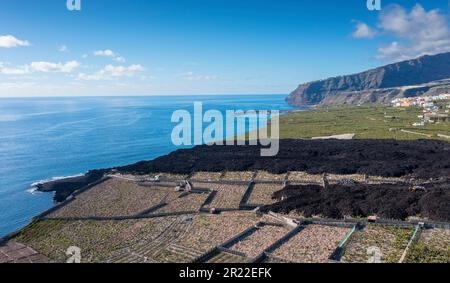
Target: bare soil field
{"type": "Point", "coordinates": [212, 230]}
{"type": "Point", "coordinates": [238, 176]}
{"type": "Point", "coordinates": [115, 197]}
{"type": "Point", "coordinates": [267, 176]}
{"type": "Point", "coordinates": [263, 194]}
{"type": "Point", "coordinates": [206, 176]}
{"type": "Point", "coordinates": [261, 239]}
{"type": "Point", "coordinates": [190, 202]}
{"type": "Point", "coordinates": [228, 196]}
{"type": "Point", "coordinates": [225, 257]}
{"type": "Point", "coordinates": [314, 244]}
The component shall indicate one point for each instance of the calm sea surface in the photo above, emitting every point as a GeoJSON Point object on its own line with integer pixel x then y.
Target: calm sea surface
{"type": "Point", "coordinates": [42, 138]}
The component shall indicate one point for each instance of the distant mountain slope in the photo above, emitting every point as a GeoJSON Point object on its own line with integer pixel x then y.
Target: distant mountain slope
{"type": "Point", "coordinates": [379, 85]}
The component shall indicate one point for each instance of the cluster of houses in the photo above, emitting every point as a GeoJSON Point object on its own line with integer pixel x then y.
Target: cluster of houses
{"type": "Point", "coordinates": [431, 113]}
{"type": "Point", "coordinates": [425, 102]}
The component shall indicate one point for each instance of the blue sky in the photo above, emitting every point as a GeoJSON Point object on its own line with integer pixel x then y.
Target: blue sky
{"type": "Point", "coordinates": [176, 47]}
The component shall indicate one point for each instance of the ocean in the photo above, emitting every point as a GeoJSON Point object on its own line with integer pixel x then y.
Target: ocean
{"type": "Point", "coordinates": [44, 138]}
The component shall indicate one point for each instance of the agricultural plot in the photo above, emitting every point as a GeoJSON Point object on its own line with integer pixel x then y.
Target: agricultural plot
{"type": "Point", "coordinates": [303, 177]}
{"type": "Point", "coordinates": [335, 178]}
{"type": "Point", "coordinates": [205, 185]}
{"type": "Point", "coordinates": [190, 202]}
{"type": "Point", "coordinates": [157, 249]}
{"type": "Point", "coordinates": [228, 196]}
{"type": "Point", "coordinates": [206, 176]}
{"type": "Point", "coordinates": [171, 176]}
{"type": "Point", "coordinates": [254, 244]}
{"type": "Point", "coordinates": [266, 176]}
{"type": "Point", "coordinates": [225, 257]}
{"type": "Point", "coordinates": [113, 198]}
{"type": "Point", "coordinates": [12, 252]}
{"type": "Point", "coordinates": [433, 246]}
{"type": "Point", "coordinates": [238, 176]}
{"type": "Point", "coordinates": [99, 241]}
{"type": "Point", "coordinates": [385, 242]}
{"type": "Point", "coordinates": [314, 244]}
{"type": "Point", "coordinates": [209, 231]}
{"type": "Point", "coordinates": [262, 194]}
{"type": "Point", "coordinates": [177, 254]}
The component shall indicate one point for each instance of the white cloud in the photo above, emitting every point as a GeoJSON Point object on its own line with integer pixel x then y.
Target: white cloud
{"type": "Point", "coordinates": [9, 41]}
{"type": "Point", "coordinates": [111, 54]}
{"type": "Point", "coordinates": [45, 67]}
{"type": "Point", "coordinates": [120, 59]}
{"type": "Point", "coordinates": [54, 67]}
{"type": "Point", "coordinates": [362, 30]}
{"type": "Point", "coordinates": [84, 56]}
{"type": "Point", "coordinates": [419, 32]}
{"type": "Point", "coordinates": [63, 48]}
{"type": "Point", "coordinates": [104, 53]}
{"type": "Point", "coordinates": [193, 77]}
{"type": "Point", "coordinates": [110, 72]}
{"type": "Point", "coordinates": [21, 70]}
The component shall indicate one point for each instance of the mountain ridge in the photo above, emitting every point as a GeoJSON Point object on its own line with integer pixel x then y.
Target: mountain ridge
{"type": "Point", "coordinates": [427, 74]}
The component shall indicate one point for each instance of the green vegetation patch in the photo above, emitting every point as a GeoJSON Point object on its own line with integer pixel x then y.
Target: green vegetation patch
{"type": "Point", "coordinates": [433, 246]}
{"type": "Point", "coordinates": [366, 122]}
{"type": "Point", "coordinates": [98, 240]}
{"type": "Point", "coordinates": [390, 241]}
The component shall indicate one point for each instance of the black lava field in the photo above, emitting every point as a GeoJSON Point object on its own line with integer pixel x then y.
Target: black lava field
{"type": "Point", "coordinates": [422, 159]}
{"type": "Point", "coordinates": [385, 201]}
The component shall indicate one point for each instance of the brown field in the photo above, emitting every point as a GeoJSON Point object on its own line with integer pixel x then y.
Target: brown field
{"type": "Point", "coordinates": [206, 176]}
{"type": "Point", "coordinates": [314, 244]}
{"type": "Point", "coordinates": [266, 176]}
{"type": "Point", "coordinates": [262, 194]}
{"type": "Point", "coordinates": [212, 230]}
{"type": "Point", "coordinates": [228, 196]}
{"type": "Point", "coordinates": [115, 197]}
{"type": "Point", "coordinates": [260, 240]}
{"type": "Point", "coordinates": [190, 202]}
{"type": "Point", "coordinates": [238, 176]}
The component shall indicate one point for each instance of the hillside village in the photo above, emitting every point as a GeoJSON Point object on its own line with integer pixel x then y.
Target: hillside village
{"type": "Point", "coordinates": [435, 108]}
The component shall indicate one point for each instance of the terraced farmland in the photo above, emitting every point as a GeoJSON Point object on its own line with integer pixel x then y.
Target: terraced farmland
{"type": "Point", "coordinates": [212, 230]}
{"type": "Point", "coordinates": [99, 240]}
{"type": "Point", "coordinates": [390, 241]}
{"type": "Point", "coordinates": [114, 197]}
{"type": "Point", "coordinates": [238, 176]}
{"type": "Point", "coordinates": [145, 251]}
{"type": "Point", "coordinates": [314, 244]}
{"type": "Point", "coordinates": [206, 176]}
{"type": "Point", "coordinates": [228, 196]}
{"type": "Point", "coordinates": [262, 194]}
{"type": "Point", "coordinates": [177, 254]}
{"type": "Point", "coordinates": [266, 176]}
{"type": "Point", "coordinates": [433, 246]}
{"type": "Point", "coordinates": [303, 177]}
{"type": "Point", "coordinates": [190, 202]}
{"type": "Point", "coordinates": [261, 239]}
{"type": "Point", "coordinates": [225, 257]}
